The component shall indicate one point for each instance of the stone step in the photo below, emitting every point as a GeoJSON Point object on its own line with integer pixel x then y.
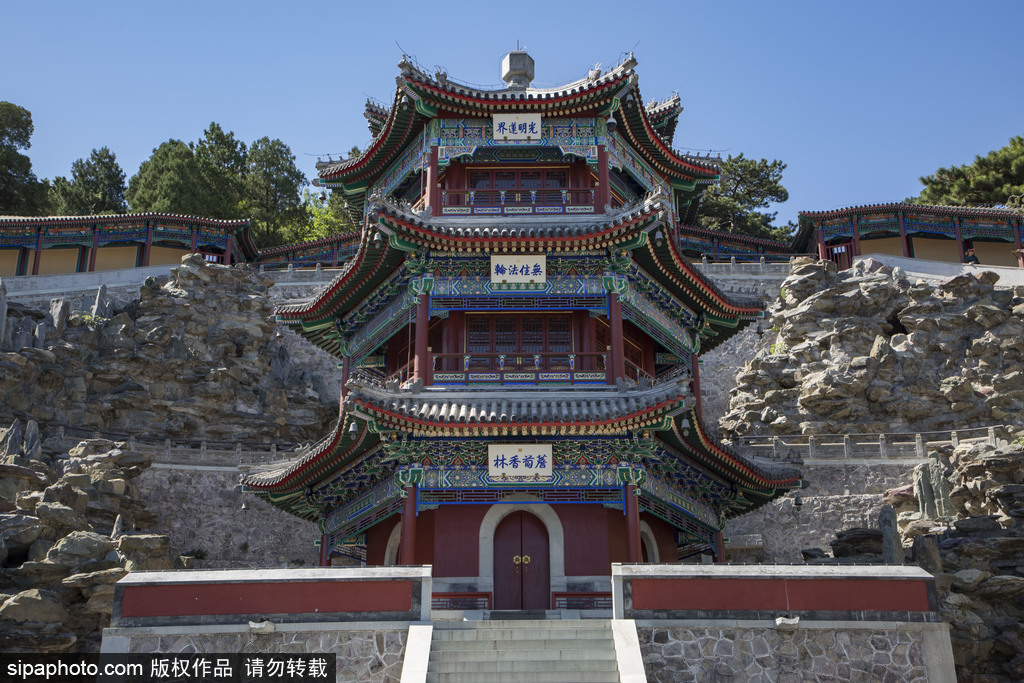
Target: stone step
{"type": "Point", "coordinates": [525, 623]}
{"type": "Point", "coordinates": [536, 652]}
{"type": "Point", "coordinates": [525, 677]}
{"type": "Point", "coordinates": [553, 645]}
{"type": "Point", "coordinates": [509, 634]}
{"type": "Point", "coordinates": [527, 651]}
{"type": "Point", "coordinates": [522, 665]}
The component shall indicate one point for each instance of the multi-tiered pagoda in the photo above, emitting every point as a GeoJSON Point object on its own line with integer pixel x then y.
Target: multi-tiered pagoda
{"type": "Point", "coordinates": [519, 337]}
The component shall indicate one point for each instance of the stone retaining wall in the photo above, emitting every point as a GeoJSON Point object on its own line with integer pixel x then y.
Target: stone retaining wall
{"type": "Point", "coordinates": [838, 496]}
{"type": "Point", "coordinates": [199, 509]}
{"type": "Point", "coordinates": [365, 654]}
{"type": "Point", "coordinates": [696, 653]}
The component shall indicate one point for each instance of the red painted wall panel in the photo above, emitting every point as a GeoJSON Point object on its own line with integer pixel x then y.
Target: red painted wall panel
{"type": "Point", "coordinates": [425, 529]}
{"type": "Point", "coordinates": [377, 540]}
{"type": "Point", "coordinates": [266, 598]}
{"type": "Point", "coordinates": [616, 536]}
{"type": "Point", "coordinates": [586, 539]}
{"type": "Point", "coordinates": [457, 539]}
{"type": "Point", "coordinates": [781, 594]}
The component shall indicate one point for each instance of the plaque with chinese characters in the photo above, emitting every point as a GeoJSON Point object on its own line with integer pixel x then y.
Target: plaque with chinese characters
{"type": "Point", "coordinates": [519, 461]}
{"type": "Point", "coordinates": [516, 126]}
{"type": "Point", "coordinates": [521, 269]}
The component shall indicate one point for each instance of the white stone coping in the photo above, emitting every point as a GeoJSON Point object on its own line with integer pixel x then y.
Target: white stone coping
{"type": "Point", "coordinates": [766, 571]}
{"type": "Point", "coordinates": [628, 657]}
{"type": "Point", "coordinates": [417, 653]}
{"type": "Point", "coordinates": [179, 576]}
{"type": "Point", "coordinates": [1009, 276]}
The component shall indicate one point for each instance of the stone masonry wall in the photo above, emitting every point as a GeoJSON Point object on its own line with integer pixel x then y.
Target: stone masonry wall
{"type": "Point", "coordinates": [199, 509]}
{"type": "Point", "coordinates": [684, 655]}
{"type": "Point", "coordinates": [838, 497]}
{"type": "Point", "coordinates": [367, 656]}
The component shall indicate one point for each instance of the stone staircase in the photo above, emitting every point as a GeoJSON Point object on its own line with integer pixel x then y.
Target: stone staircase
{"type": "Point", "coordinates": [523, 651]}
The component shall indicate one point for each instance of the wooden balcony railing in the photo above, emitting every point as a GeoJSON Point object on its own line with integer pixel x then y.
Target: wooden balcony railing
{"type": "Point", "coordinates": [537, 369]}
{"type": "Point", "coordinates": [518, 201]}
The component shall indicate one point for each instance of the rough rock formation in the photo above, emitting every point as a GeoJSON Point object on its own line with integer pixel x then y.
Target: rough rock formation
{"type": "Point", "coordinates": [197, 356]}
{"type": "Point", "coordinates": [867, 351]}
{"type": "Point", "coordinates": [977, 555]}
{"type": "Point", "coordinates": [69, 529]}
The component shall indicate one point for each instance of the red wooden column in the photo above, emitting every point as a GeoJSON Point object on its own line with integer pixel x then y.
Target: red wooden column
{"type": "Point", "coordinates": [433, 192]}
{"type": "Point", "coordinates": [904, 242]}
{"type": "Point", "coordinates": [1017, 240]}
{"type": "Point", "coordinates": [856, 238]}
{"type": "Point", "coordinates": [95, 246]}
{"type": "Point", "coordinates": [195, 238]}
{"type": "Point", "coordinates": [346, 368]}
{"type": "Point", "coordinates": [695, 384]}
{"type": "Point", "coordinates": [602, 196]}
{"type": "Point", "coordinates": [633, 553]}
{"type": "Point", "coordinates": [420, 361]}
{"type": "Point", "coordinates": [821, 242]}
{"type": "Point", "coordinates": [617, 362]}
{"type": "Point", "coordinates": [719, 548]}
{"type": "Point", "coordinates": [325, 550]}
{"type": "Point", "coordinates": [149, 244]}
{"type": "Point", "coordinates": [39, 251]}
{"type": "Point", "coordinates": [227, 251]}
{"type": "Point", "coordinates": [407, 549]}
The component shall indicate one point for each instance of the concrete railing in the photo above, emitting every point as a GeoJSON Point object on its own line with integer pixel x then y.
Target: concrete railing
{"type": "Point", "coordinates": [941, 270]}
{"type": "Point", "coordinates": [195, 452]}
{"type": "Point", "coordinates": [800, 447]}
{"type": "Point", "coordinates": [763, 269]}
{"type": "Point", "coordinates": [81, 284]}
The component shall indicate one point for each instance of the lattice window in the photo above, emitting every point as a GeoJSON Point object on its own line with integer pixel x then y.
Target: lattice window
{"type": "Point", "coordinates": [533, 335]}
{"type": "Point", "coordinates": [479, 333]}
{"type": "Point", "coordinates": [559, 335]}
{"type": "Point", "coordinates": [505, 335]}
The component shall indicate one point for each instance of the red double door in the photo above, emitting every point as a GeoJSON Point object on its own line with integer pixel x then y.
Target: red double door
{"type": "Point", "coordinates": [521, 563]}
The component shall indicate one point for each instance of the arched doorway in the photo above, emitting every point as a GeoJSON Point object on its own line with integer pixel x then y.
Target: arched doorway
{"type": "Point", "coordinates": [521, 563]}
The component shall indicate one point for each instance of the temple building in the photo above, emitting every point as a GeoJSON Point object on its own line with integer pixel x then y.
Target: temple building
{"type": "Point", "coordinates": [937, 233]}
{"type": "Point", "coordinates": [519, 334]}
{"type": "Point", "coordinates": [84, 244]}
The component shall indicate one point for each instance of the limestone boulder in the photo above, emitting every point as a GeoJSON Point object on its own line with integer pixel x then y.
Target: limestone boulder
{"type": "Point", "coordinates": [79, 547]}
{"type": "Point", "coordinates": [34, 606]}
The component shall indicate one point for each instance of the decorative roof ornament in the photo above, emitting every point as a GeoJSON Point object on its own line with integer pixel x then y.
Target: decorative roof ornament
{"type": "Point", "coordinates": [517, 70]}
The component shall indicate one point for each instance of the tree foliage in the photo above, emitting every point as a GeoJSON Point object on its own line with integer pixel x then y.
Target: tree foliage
{"type": "Point", "coordinates": [325, 219]}
{"type": "Point", "coordinates": [96, 187]}
{"type": "Point", "coordinates": [171, 181]}
{"type": "Point", "coordinates": [222, 161]}
{"type": "Point", "coordinates": [220, 177]}
{"type": "Point", "coordinates": [990, 180]}
{"type": "Point", "coordinates": [272, 185]}
{"type": "Point", "coordinates": [21, 193]}
{"type": "Point", "coordinates": [737, 203]}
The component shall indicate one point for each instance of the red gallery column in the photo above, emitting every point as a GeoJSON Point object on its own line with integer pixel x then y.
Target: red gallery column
{"type": "Point", "coordinates": [698, 407]}
{"type": "Point", "coordinates": [616, 363]}
{"type": "Point", "coordinates": [407, 549]}
{"type": "Point", "coordinates": [325, 550]}
{"type": "Point", "coordinates": [432, 190]}
{"type": "Point", "coordinates": [420, 368]}
{"type": "Point", "coordinates": [601, 197]}
{"type": "Point", "coordinates": [633, 553]}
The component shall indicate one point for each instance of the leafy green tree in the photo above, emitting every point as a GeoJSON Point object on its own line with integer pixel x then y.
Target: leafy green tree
{"type": "Point", "coordinates": [991, 180]}
{"type": "Point", "coordinates": [272, 185]}
{"type": "Point", "coordinates": [21, 193]}
{"type": "Point", "coordinates": [325, 219]}
{"type": "Point", "coordinates": [737, 203]}
{"type": "Point", "coordinates": [171, 181]}
{"type": "Point", "coordinates": [222, 159]}
{"type": "Point", "coordinates": [96, 187]}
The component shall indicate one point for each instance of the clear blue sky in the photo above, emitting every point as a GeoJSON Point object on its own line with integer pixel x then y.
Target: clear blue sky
{"type": "Point", "coordinates": [858, 98]}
